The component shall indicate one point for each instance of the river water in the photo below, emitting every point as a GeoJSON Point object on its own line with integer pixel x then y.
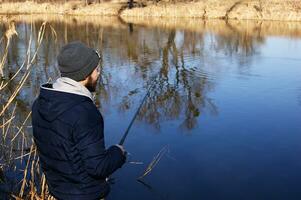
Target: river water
{"type": "Point", "coordinates": [224, 108]}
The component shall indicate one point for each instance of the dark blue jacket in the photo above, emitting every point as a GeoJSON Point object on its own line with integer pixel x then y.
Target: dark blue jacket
{"type": "Point", "coordinates": [68, 132]}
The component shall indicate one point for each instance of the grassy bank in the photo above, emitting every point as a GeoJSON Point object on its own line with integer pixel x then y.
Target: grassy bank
{"type": "Point", "coordinates": [285, 10]}
{"type": "Point", "coordinates": [219, 27]}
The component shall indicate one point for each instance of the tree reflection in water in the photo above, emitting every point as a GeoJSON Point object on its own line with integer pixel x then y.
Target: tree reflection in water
{"type": "Point", "coordinates": [176, 90]}
{"type": "Point", "coordinates": [179, 55]}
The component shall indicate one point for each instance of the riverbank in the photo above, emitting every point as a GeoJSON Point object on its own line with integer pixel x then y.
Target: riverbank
{"type": "Point", "coordinates": [283, 10]}
{"type": "Point", "coordinates": [220, 27]}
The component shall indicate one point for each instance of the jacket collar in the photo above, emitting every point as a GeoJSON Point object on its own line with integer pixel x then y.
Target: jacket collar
{"type": "Point", "coordinates": [65, 84]}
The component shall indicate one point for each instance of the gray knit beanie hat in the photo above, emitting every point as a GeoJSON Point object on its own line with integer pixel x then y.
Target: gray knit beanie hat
{"type": "Point", "coordinates": [77, 61]}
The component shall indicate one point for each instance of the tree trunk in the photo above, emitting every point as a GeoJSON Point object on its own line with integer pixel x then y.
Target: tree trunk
{"type": "Point", "coordinates": [131, 4]}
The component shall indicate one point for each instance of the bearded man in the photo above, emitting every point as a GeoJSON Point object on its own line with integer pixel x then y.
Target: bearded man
{"type": "Point", "coordinates": [68, 129]}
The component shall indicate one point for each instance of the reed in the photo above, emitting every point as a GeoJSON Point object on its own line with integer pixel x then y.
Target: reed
{"type": "Point", "coordinates": [11, 31]}
{"type": "Point", "coordinates": [29, 64]}
{"type": "Point", "coordinates": [154, 162]}
{"type": "Point", "coordinates": [34, 187]}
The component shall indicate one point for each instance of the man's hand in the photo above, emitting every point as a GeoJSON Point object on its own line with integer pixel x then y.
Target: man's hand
{"type": "Point", "coordinates": [121, 148]}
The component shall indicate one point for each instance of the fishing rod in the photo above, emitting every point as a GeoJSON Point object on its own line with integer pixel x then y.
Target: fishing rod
{"type": "Point", "coordinates": [137, 112]}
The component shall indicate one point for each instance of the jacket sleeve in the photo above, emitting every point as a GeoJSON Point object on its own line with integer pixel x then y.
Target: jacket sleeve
{"type": "Point", "coordinates": [98, 161]}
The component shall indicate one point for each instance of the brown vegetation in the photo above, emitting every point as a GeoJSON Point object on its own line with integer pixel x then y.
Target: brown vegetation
{"type": "Point", "coordinates": [230, 9]}
{"type": "Point", "coordinates": [288, 10]}
{"type": "Point", "coordinates": [221, 27]}
{"type": "Point", "coordinates": [15, 145]}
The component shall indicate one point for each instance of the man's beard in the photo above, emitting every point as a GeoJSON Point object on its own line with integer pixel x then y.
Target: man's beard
{"type": "Point", "coordinates": [91, 86]}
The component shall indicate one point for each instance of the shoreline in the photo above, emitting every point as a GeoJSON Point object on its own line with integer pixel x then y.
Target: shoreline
{"type": "Point", "coordinates": [258, 28]}
{"type": "Point", "coordinates": [276, 10]}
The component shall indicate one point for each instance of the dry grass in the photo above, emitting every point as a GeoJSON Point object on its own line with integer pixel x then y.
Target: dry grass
{"type": "Point", "coordinates": [287, 10]}
{"type": "Point", "coordinates": [29, 189]}
{"type": "Point", "coordinates": [222, 27]}
{"type": "Point", "coordinates": [10, 132]}
{"type": "Point", "coordinates": [154, 162]}
{"type": "Point", "coordinates": [11, 31]}
{"type": "Point", "coordinates": [71, 8]}
{"type": "Point", "coordinates": [28, 63]}
{"type": "Point", "coordinates": [103, 21]}
{"type": "Point", "coordinates": [230, 9]}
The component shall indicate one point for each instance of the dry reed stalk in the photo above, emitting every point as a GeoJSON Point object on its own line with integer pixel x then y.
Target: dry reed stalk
{"type": "Point", "coordinates": [15, 93]}
{"type": "Point", "coordinates": [3, 85]}
{"type": "Point", "coordinates": [7, 131]}
{"type": "Point", "coordinates": [22, 156]}
{"type": "Point", "coordinates": [5, 126]}
{"type": "Point", "coordinates": [33, 190]}
{"type": "Point", "coordinates": [20, 129]}
{"type": "Point", "coordinates": [11, 31]}
{"type": "Point", "coordinates": [8, 121]}
{"type": "Point", "coordinates": [29, 65]}
{"type": "Point", "coordinates": [22, 146]}
{"type": "Point", "coordinates": [16, 198]}
{"type": "Point", "coordinates": [43, 181]}
{"type": "Point", "coordinates": [3, 129]}
{"type": "Point", "coordinates": [25, 173]}
{"type": "Point", "coordinates": [12, 117]}
{"type": "Point", "coordinates": [136, 163]}
{"type": "Point", "coordinates": [154, 162]}
{"type": "Point", "coordinates": [33, 193]}
{"type": "Point", "coordinates": [1, 40]}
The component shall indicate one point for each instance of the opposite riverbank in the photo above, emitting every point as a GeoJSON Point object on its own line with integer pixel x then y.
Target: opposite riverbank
{"type": "Point", "coordinates": [257, 28]}
{"type": "Point", "coordinates": [283, 10]}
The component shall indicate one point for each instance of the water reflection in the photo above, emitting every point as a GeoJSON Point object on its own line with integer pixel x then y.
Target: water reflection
{"type": "Point", "coordinates": [185, 64]}
{"type": "Point", "coordinates": [177, 90]}
{"type": "Point", "coordinates": [178, 54]}
{"type": "Point", "coordinates": [196, 69]}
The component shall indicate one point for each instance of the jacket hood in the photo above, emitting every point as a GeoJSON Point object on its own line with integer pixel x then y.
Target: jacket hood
{"type": "Point", "coordinates": [51, 103]}
{"type": "Point", "coordinates": [65, 84]}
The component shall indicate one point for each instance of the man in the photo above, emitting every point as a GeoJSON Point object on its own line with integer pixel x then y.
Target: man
{"type": "Point", "coordinates": [68, 129]}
